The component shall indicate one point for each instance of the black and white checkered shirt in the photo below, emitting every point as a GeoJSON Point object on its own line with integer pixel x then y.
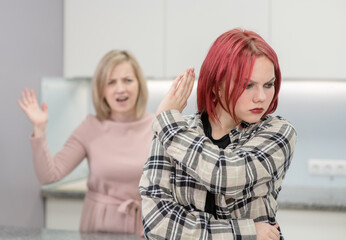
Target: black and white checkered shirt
{"type": "Point", "coordinates": [184, 164]}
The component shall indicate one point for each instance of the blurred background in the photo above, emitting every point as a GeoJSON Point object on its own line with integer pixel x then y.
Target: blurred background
{"type": "Point", "coordinates": [53, 47]}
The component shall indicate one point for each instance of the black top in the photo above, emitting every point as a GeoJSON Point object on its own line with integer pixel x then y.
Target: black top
{"type": "Point", "coordinates": [223, 142]}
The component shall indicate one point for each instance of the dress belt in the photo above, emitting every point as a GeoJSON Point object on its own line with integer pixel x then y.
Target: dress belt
{"type": "Point", "coordinates": [128, 207]}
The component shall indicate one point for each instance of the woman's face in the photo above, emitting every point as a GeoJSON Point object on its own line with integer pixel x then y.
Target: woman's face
{"type": "Point", "coordinates": [259, 92]}
{"type": "Point", "coordinates": [121, 91]}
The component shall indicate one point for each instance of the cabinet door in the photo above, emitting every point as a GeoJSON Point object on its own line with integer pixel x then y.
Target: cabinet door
{"type": "Point", "coordinates": [64, 214]}
{"type": "Point", "coordinates": [192, 26]}
{"type": "Point", "coordinates": [310, 37]}
{"type": "Point", "coordinates": [92, 28]}
{"type": "Point", "coordinates": [308, 224]}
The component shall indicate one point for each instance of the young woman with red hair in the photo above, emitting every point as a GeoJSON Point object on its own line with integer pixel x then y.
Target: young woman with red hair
{"type": "Point", "coordinates": [217, 174]}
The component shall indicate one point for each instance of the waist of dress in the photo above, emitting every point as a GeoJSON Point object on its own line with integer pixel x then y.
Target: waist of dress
{"type": "Point", "coordinates": [125, 206]}
{"type": "Point", "coordinates": [129, 207]}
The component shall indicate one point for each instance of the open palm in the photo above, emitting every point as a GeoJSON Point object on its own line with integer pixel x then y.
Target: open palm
{"type": "Point", "coordinates": [29, 104]}
{"type": "Point", "coordinates": [179, 92]}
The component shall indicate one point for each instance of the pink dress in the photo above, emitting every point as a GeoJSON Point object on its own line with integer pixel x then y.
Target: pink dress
{"type": "Point", "coordinates": [116, 152]}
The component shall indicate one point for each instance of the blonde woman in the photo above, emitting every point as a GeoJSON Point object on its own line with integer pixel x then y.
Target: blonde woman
{"type": "Point", "coordinates": [116, 143]}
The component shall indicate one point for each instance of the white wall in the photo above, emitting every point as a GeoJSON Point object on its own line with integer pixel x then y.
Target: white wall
{"type": "Point", "coordinates": [31, 47]}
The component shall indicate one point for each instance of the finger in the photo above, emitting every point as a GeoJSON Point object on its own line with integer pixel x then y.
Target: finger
{"type": "Point", "coordinates": [275, 231]}
{"type": "Point", "coordinates": [24, 99]}
{"type": "Point", "coordinates": [28, 95]}
{"type": "Point", "coordinates": [175, 84]}
{"type": "Point", "coordinates": [33, 97]}
{"type": "Point", "coordinates": [191, 82]}
{"type": "Point", "coordinates": [21, 105]}
{"type": "Point", "coordinates": [44, 107]}
{"type": "Point", "coordinates": [189, 85]}
{"type": "Point", "coordinates": [181, 90]}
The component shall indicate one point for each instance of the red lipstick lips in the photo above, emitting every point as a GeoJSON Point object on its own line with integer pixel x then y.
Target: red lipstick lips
{"type": "Point", "coordinates": [257, 110]}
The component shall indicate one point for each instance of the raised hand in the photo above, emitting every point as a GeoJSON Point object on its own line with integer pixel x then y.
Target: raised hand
{"type": "Point", "coordinates": [38, 116]}
{"type": "Point", "coordinates": [179, 92]}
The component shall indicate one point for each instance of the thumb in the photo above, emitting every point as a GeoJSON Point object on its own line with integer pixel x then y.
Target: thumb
{"type": "Point", "coordinates": [45, 107]}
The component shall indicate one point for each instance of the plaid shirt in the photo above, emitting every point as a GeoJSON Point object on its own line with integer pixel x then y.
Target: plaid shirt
{"type": "Point", "coordinates": [184, 164]}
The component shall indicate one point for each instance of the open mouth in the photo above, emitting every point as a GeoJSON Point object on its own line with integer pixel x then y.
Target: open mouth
{"type": "Point", "coordinates": [122, 99]}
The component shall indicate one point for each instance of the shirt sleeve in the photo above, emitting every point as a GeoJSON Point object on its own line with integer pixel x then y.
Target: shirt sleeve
{"type": "Point", "coordinates": [50, 169]}
{"type": "Point", "coordinates": [241, 173]}
{"type": "Point", "coordinates": [165, 218]}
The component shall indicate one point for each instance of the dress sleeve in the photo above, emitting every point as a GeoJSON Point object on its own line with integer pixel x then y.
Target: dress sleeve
{"type": "Point", "coordinates": [50, 169]}
{"type": "Point", "coordinates": [165, 218]}
{"type": "Point", "coordinates": [253, 169]}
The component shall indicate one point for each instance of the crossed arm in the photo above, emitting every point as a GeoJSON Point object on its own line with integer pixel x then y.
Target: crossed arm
{"type": "Point", "coordinates": [165, 218]}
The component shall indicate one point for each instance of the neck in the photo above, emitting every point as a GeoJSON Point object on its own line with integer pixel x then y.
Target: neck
{"type": "Point", "coordinates": [123, 118]}
{"type": "Point", "coordinates": [224, 125]}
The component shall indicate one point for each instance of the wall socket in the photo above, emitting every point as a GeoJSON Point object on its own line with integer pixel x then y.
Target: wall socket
{"type": "Point", "coordinates": [327, 167]}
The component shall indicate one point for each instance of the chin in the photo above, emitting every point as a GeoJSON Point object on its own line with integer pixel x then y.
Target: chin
{"type": "Point", "coordinates": [253, 119]}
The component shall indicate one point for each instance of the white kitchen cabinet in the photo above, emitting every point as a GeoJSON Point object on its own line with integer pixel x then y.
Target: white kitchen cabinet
{"type": "Point", "coordinates": [63, 213]}
{"type": "Point", "coordinates": [309, 38]}
{"type": "Point", "coordinates": [192, 27]}
{"type": "Point", "coordinates": [64, 204]}
{"type": "Point", "coordinates": [92, 28]}
{"type": "Point", "coordinates": [308, 224]}
{"type": "Point", "coordinates": [166, 36]}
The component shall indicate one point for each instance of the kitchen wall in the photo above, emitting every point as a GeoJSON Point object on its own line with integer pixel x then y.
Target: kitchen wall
{"type": "Point", "coordinates": [31, 45]}
{"type": "Point", "coordinates": [177, 34]}
{"type": "Point", "coordinates": [313, 107]}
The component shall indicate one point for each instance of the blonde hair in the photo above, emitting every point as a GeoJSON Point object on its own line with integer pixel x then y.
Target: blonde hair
{"type": "Point", "coordinates": [102, 73]}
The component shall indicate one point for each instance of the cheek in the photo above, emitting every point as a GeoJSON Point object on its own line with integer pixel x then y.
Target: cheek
{"type": "Point", "coordinates": [270, 95]}
{"type": "Point", "coordinates": [244, 99]}
{"type": "Point", "coordinates": [136, 89]}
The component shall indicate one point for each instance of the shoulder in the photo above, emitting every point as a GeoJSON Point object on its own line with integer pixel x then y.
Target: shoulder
{"type": "Point", "coordinates": [87, 126]}
{"type": "Point", "coordinates": [278, 121]}
{"type": "Point", "coordinates": [148, 117]}
{"type": "Point", "coordinates": [90, 121]}
{"type": "Point", "coordinates": [278, 126]}
{"type": "Point", "coordinates": [193, 120]}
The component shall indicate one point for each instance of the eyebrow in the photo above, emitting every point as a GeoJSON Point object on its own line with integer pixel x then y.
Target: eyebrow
{"type": "Point", "coordinates": [271, 80]}
{"type": "Point", "coordinates": [128, 76]}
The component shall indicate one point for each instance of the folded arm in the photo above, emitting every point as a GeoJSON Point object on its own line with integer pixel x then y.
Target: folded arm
{"type": "Point", "coordinates": [264, 159]}
{"type": "Point", "coordinates": [165, 218]}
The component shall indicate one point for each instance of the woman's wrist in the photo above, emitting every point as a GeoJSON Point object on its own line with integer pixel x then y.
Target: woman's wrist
{"type": "Point", "coordinates": [39, 130]}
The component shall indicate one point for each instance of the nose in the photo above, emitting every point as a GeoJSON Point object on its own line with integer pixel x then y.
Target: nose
{"type": "Point", "coordinates": [260, 95]}
{"type": "Point", "coordinates": [120, 87]}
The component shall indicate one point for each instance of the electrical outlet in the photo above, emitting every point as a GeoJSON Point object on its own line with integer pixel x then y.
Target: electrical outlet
{"type": "Point", "coordinates": [327, 167]}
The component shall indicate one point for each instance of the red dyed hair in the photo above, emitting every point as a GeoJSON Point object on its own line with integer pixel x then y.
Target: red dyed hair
{"type": "Point", "coordinates": [230, 61]}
